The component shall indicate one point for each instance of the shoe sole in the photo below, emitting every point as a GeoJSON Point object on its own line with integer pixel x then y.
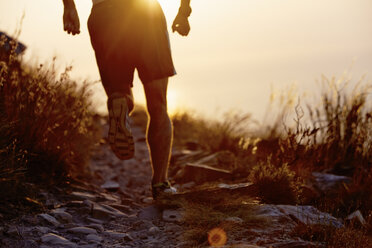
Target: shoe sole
{"type": "Point", "coordinates": [120, 137]}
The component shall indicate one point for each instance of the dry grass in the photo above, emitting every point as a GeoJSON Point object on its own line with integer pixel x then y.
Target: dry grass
{"type": "Point", "coordinates": [275, 185]}
{"type": "Point", "coordinates": [211, 135]}
{"type": "Point", "coordinates": [346, 237]}
{"type": "Point", "coordinates": [333, 136]}
{"type": "Point", "coordinates": [202, 217]}
{"type": "Point", "coordinates": [47, 126]}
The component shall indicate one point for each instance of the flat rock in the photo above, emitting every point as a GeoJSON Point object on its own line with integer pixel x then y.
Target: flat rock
{"type": "Point", "coordinates": [105, 212]}
{"type": "Point", "coordinates": [96, 226]}
{"type": "Point", "coordinates": [328, 182]}
{"type": "Point", "coordinates": [117, 235]}
{"type": "Point", "coordinates": [123, 208]}
{"type": "Point", "coordinates": [172, 215]}
{"type": "Point", "coordinates": [289, 216]}
{"type": "Point", "coordinates": [41, 230]}
{"type": "Point", "coordinates": [235, 220]}
{"type": "Point", "coordinates": [309, 215]}
{"type": "Point", "coordinates": [357, 216]}
{"type": "Point", "coordinates": [220, 191]}
{"type": "Point", "coordinates": [149, 213]}
{"type": "Point", "coordinates": [200, 173]}
{"type": "Point", "coordinates": [82, 230]}
{"type": "Point", "coordinates": [62, 216]}
{"type": "Point", "coordinates": [57, 241]}
{"type": "Point", "coordinates": [93, 237]}
{"type": "Point", "coordinates": [49, 219]}
{"type": "Point", "coordinates": [154, 229]}
{"type": "Point", "coordinates": [110, 185]}
{"type": "Point", "coordinates": [13, 231]}
{"type": "Point", "coordinates": [78, 195]}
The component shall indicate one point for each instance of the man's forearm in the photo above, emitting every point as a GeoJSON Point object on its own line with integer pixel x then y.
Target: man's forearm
{"type": "Point", "coordinates": [185, 9]}
{"type": "Point", "coordinates": [185, 3]}
{"type": "Point", "coordinates": [69, 3]}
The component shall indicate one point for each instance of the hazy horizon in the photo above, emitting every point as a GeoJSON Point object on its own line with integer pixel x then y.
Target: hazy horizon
{"type": "Point", "coordinates": [236, 53]}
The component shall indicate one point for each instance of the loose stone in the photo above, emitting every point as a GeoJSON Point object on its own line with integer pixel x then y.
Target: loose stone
{"type": "Point", "coordinates": [82, 230]}
{"type": "Point", "coordinates": [49, 219]}
{"type": "Point", "coordinates": [56, 240]}
{"type": "Point", "coordinates": [93, 237]}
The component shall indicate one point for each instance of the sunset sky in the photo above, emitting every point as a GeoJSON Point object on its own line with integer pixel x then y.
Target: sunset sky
{"type": "Point", "coordinates": [237, 52]}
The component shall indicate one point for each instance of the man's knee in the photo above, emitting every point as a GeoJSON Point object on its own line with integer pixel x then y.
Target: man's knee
{"type": "Point", "coordinates": [156, 97]}
{"type": "Point", "coordinates": [157, 110]}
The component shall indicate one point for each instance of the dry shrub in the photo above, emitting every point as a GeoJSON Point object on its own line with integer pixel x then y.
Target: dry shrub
{"type": "Point", "coordinates": [345, 237]}
{"type": "Point", "coordinates": [47, 126]}
{"type": "Point", "coordinates": [211, 135]}
{"type": "Point", "coordinates": [274, 184]}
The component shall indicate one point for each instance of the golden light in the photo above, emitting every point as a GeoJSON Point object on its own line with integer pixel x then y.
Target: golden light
{"type": "Point", "coordinates": [172, 101]}
{"type": "Point", "coordinates": [169, 6]}
{"type": "Point", "coordinates": [217, 237]}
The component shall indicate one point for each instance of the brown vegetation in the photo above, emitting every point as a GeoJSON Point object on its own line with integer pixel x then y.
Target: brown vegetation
{"type": "Point", "coordinates": [46, 128]}
{"type": "Point", "coordinates": [333, 136]}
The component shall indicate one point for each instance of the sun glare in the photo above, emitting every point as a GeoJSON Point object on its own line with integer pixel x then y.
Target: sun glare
{"type": "Point", "coordinates": [172, 100]}
{"type": "Point", "coordinates": [169, 6]}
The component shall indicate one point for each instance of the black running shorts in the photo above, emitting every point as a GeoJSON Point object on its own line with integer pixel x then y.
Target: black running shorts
{"type": "Point", "coordinates": [128, 35]}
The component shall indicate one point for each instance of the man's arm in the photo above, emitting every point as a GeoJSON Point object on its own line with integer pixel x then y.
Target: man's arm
{"type": "Point", "coordinates": [181, 23]}
{"type": "Point", "coordinates": [71, 23]}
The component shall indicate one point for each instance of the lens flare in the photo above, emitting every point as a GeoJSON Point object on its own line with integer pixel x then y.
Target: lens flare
{"type": "Point", "coordinates": [217, 237]}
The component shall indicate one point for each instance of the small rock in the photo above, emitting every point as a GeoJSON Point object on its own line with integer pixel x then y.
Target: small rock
{"type": "Point", "coordinates": [96, 226]}
{"type": "Point", "coordinates": [125, 209]}
{"type": "Point", "coordinates": [235, 220]}
{"type": "Point", "coordinates": [188, 185]}
{"type": "Point", "coordinates": [62, 216]}
{"type": "Point", "coordinates": [327, 183]}
{"type": "Point", "coordinates": [56, 240]}
{"type": "Point", "coordinates": [148, 200]}
{"type": "Point", "coordinates": [149, 213]}
{"type": "Point", "coordinates": [88, 203]}
{"type": "Point", "coordinates": [82, 230]}
{"type": "Point", "coordinates": [33, 220]}
{"type": "Point", "coordinates": [49, 219]}
{"type": "Point", "coordinates": [105, 212]}
{"type": "Point", "coordinates": [154, 229]}
{"type": "Point", "coordinates": [172, 215]}
{"type": "Point", "coordinates": [110, 185]}
{"type": "Point", "coordinates": [75, 239]}
{"type": "Point", "coordinates": [117, 235]}
{"type": "Point", "coordinates": [93, 237]}
{"type": "Point", "coordinates": [74, 204]}
{"type": "Point", "coordinates": [128, 238]}
{"type": "Point", "coordinates": [94, 220]}
{"type": "Point", "coordinates": [357, 216]}
{"type": "Point", "coordinates": [41, 230]}
{"type": "Point", "coordinates": [30, 243]}
{"type": "Point", "coordinates": [83, 196]}
{"type": "Point", "coordinates": [108, 197]}
{"type": "Point", "coordinates": [13, 231]}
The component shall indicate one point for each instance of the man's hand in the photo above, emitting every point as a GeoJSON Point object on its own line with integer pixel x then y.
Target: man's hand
{"type": "Point", "coordinates": [71, 23]}
{"type": "Point", "coordinates": [181, 25]}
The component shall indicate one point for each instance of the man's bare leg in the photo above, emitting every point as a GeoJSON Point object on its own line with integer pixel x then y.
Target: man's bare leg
{"type": "Point", "coordinates": [159, 129]}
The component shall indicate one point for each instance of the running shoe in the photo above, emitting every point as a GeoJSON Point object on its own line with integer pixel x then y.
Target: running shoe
{"type": "Point", "coordinates": [120, 136]}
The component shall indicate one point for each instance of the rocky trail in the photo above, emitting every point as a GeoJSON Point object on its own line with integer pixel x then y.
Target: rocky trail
{"type": "Point", "coordinates": [116, 210]}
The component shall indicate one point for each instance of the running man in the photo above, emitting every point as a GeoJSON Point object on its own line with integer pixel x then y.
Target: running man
{"type": "Point", "coordinates": [128, 35]}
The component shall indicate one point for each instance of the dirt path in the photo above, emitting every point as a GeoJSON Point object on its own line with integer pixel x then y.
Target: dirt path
{"type": "Point", "coordinates": [114, 210]}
